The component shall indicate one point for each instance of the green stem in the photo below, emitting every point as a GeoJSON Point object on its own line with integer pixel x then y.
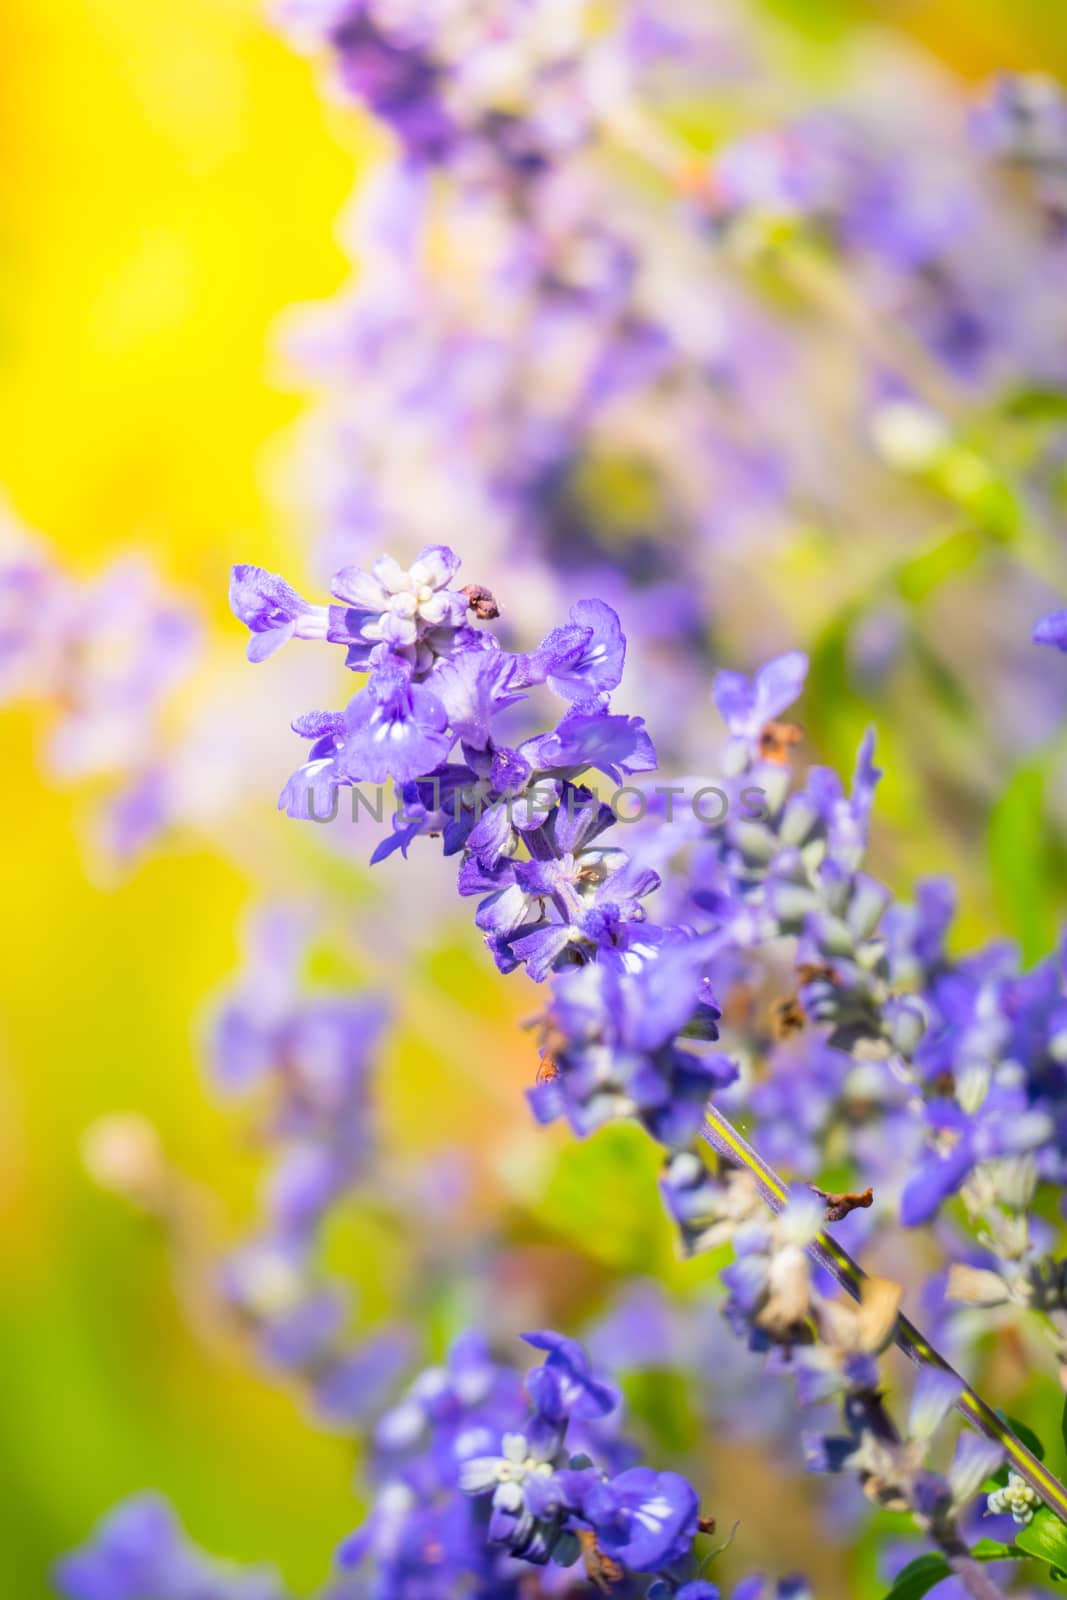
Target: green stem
{"type": "Point", "coordinates": [724, 1137]}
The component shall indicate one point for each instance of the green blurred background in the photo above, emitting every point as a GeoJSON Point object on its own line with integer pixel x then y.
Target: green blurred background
{"type": "Point", "coordinates": [170, 179]}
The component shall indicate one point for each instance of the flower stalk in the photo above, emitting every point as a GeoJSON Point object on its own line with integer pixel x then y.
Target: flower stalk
{"type": "Point", "coordinates": [723, 1137]}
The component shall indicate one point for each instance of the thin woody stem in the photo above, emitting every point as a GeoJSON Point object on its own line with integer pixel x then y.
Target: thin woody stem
{"type": "Point", "coordinates": [724, 1137]}
{"type": "Point", "coordinates": [974, 1578]}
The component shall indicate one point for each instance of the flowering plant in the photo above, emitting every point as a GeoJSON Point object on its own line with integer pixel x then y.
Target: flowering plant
{"type": "Point", "coordinates": [631, 998]}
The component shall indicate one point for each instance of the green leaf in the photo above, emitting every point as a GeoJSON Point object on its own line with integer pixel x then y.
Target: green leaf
{"type": "Point", "coordinates": [970, 480]}
{"type": "Point", "coordinates": [923, 573]}
{"type": "Point", "coordinates": [919, 1577]}
{"type": "Point", "coordinates": [1025, 1435]}
{"type": "Point", "coordinates": [596, 1177]}
{"type": "Point", "coordinates": [1063, 1424]}
{"type": "Point", "coordinates": [1045, 1537]}
{"type": "Point", "coordinates": [1035, 404]}
{"type": "Point", "coordinates": [993, 1550]}
{"type": "Point", "coordinates": [835, 713]}
{"type": "Point", "coordinates": [1022, 855]}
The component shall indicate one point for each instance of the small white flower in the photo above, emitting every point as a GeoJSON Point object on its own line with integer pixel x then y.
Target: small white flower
{"type": "Point", "coordinates": [1016, 1497]}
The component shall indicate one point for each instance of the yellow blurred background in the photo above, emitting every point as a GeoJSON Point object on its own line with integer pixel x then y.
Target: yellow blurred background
{"type": "Point", "coordinates": [170, 179]}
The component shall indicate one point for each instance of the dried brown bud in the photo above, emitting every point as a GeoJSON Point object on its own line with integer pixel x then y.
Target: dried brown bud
{"type": "Point", "coordinates": [787, 1018]}
{"type": "Point", "coordinates": [481, 601]}
{"type": "Point", "coordinates": [814, 972]}
{"type": "Point", "coordinates": [839, 1205]}
{"type": "Point", "coordinates": [601, 1570]}
{"type": "Point", "coordinates": [777, 739]}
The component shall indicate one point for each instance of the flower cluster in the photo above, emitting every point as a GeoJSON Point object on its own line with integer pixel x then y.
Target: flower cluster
{"type": "Point", "coordinates": [875, 989]}
{"type": "Point", "coordinates": [555, 897]}
{"type": "Point", "coordinates": [831, 1346]}
{"type": "Point", "coordinates": [559, 293]}
{"type": "Point", "coordinates": [480, 1472]}
{"type": "Point", "coordinates": [630, 998]}
{"type": "Point", "coordinates": [308, 1058]}
{"type": "Point", "coordinates": [555, 339]}
{"type": "Point", "coordinates": [491, 83]}
{"type": "Point", "coordinates": [935, 1075]}
{"type": "Point", "coordinates": [110, 654]}
{"type": "Point", "coordinates": [446, 1520]}
{"type": "Point", "coordinates": [141, 1550]}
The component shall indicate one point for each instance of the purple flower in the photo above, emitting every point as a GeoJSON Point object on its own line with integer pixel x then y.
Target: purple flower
{"type": "Point", "coordinates": [140, 1550]}
{"type": "Point", "coordinates": [1023, 118]}
{"type": "Point", "coordinates": [394, 728]}
{"type": "Point", "coordinates": [596, 665]}
{"type": "Point", "coordinates": [610, 744]}
{"type": "Point", "coordinates": [643, 1518]}
{"type": "Point", "coordinates": [934, 1181]}
{"type": "Point", "coordinates": [399, 83]}
{"type": "Point", "coordinates": [309, 1056]}
{"type": "Point", "coordinates": [933, 1397]}
{"type": "Point", "coordinates": [349, 1391]}
{"type": "Point", "coordinates": [774, 171]}
{"type": "Point", "coordinates": [527, 1495]}
{"type": "Point", "coordinates": [541, 1496]}
{"type": "Point", "coordinates": [473, 687]}
{"type": "Point", "coordinates": [394, 606]}
{"type": "Point", "coordinates": [620, 1059]}
{"type": "Point", "coordinates": [565, 1385]}
{"type": "Point", "coordinates": [304, 1184]}
{"type": "Point", "coordinates": [272, 611]}
{"type": "Point", "coordinates": [311, 793]}
{"type": "Point", "coordinates": [585, 899]}
{"type": "Point", "coordinates": [1052, 630]}
{"type": "Point", "coordinates": [136, 816]}
{"type": "Point", "coordinates": [748, 704]}
{"type": "Point", "coordinates": [416, 1547]}
{"type": "Point", "coordinates": [300, 1339]}
{"type": "Point", "coordinates": [454, 1409]}
{"type": "Point", "coordinates": [37, 604]}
